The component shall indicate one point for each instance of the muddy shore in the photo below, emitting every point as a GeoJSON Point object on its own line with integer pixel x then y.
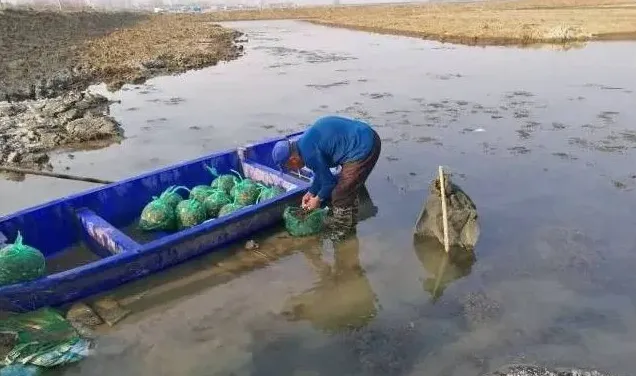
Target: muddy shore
{"type": "Point", "coordinates": [48, 59]}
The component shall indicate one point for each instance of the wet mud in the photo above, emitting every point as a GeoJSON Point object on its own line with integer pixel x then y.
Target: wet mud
{"type": "Point", "coordinates": [47, 53]}
{"type": "Point", "coordinates": [30, 129]}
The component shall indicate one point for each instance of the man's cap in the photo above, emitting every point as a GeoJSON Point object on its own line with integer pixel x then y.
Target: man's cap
{"type": "Point", "coordinates": [281, 152]}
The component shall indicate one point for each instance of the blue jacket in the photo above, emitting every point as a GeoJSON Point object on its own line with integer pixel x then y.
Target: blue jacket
{"type": "Point", "coordinates": [332, 141]}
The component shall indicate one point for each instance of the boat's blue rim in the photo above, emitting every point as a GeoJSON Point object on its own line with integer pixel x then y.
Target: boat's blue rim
{"type": "Point", "coordinates": [141, 176]}
{"type": "Point", "coordinates": [120, 182]}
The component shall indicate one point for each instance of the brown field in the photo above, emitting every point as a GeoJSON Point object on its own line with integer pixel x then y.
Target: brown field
{"type": "Point", "coordinates": [486, 23]}
{"type": "Point", "coordinates": [45, 53]}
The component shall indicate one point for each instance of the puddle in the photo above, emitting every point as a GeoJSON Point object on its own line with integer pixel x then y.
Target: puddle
{"type": "Point", "coordinates": [70, 258]}
{"type": "Point", "coordinates": [554, 195]}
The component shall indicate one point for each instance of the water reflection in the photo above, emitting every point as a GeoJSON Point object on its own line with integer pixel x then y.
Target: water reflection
{"type": "Point", "coordinates": [342, 299]}
{"type": "Point", "coordinates": [442, 268]}
{"type": "Point", "coordinates": [367, 208]}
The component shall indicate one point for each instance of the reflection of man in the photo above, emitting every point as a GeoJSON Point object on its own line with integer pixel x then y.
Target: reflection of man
{"type": "Point", "coordinates": [330, 142]}
{"type": "Point", "coordinates": [343, 298]}
{"type": "Point", "coordinates": [442, 268]}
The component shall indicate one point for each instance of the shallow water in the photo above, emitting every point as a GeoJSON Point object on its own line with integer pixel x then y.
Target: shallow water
{"type": "Point", "coordinates": [542, 140]}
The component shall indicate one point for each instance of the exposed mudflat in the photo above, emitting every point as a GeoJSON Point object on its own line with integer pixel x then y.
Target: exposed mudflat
{"type": "Point", "coordinates": [48, 54]}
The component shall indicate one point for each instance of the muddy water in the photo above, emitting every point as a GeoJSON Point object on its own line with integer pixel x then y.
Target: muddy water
{"type": "Point", "coordinates": [543, 141]}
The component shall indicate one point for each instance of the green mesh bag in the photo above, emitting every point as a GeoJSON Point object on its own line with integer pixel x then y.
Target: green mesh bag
{"type": "Point", "coordinates": [230, 208]}
{"type": "Point", "coordinates": [201, 192]}
{"type": "Point", "coordinates": [268, 193]}
{"type": "Point", "coordinates": [45, 339]}
{"type": "Point", "coordinates": [247, 194]}
{"type": "Point", "coordinates": [190, 213]}
{"type": "Point", "coordinates": [214, 202]}
{"type": "Point", "coordinates": [246, 191]}
{"type": "Point", "coordinates": [171, 197]}
{"type": "Point", "coordinates": [159, 214]}
{"type": "Point", "coordinates": [223, 182]}
{"type": "Point", "coordinates": [300, 222]}
{"type": "Point", "coordinates": [20, 263]}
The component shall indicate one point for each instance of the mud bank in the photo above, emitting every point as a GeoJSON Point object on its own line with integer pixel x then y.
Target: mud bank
{"type": "Point", "coordinates": [48, 58]}
{"type": "Point", "coordinates": [44, 54]}
{"type": "Point", "coordinates": [29, 129]}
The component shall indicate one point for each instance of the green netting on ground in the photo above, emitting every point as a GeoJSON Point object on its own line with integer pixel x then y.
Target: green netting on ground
{"type": "Point", "coordinates": [268, 193]}
{"type": "Point", "coordinates": [20, 263]}
{"type": "Point", "coordinates": [190, 213]}
{"type": "Point", "coordinates": [230, 208]}
{"type": "Point", "coordinates": [214, 202]}
{"type": "Point", "coordinates": [44, 338]}
{"type": "Point", "coordinates": [201, 192]}
{"type": "Point", "coordinates": [300, 222]}
{"type": "Point", "coordinates": [20, 370]}
{"type": "Point", "coordinates": [223, 182]}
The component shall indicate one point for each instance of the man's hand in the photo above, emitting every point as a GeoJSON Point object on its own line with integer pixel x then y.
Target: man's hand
{"type": "Point", "coordinates": [308, 196]}
{"type": "Point", "coordinates": [313, 203]}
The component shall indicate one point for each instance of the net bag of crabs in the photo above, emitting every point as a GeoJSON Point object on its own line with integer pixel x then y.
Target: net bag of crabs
{"type": "Point", "coordinates": [190, 213]}
{"type": "Point", "coordinates": [214, 202]}
{"type": "Point", "coordinates": [20, 263]}
{"type": "Point", "coordinates": [300, 222]}
{"type": "Point", "coordinates": [246, 191]}
{"type": "Point", "coordinates": [159, 214]}
{"type": "Point", "coordinates": [230, 208]}
{"type": "Point", "coordinates": [268, 193]}
{"type": "Point", "coordinates": [201, 192]}
{"type": "Point", "coordinates": [224, 182]}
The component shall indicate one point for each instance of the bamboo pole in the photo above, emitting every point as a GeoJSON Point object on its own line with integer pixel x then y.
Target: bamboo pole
{"type": "Point", "coordinates": [442, 192]}
{"type": "Point", "coordinates": [53, 175]}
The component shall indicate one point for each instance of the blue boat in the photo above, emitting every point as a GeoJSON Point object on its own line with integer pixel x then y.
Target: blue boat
{"type": "Point", "coordinates": [99, 220]}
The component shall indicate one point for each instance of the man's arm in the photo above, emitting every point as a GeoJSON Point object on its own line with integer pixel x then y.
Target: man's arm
{"type": "Point", "coordinates": [324, 178]}
{"type": "Point", "coordinates": [315, 184]}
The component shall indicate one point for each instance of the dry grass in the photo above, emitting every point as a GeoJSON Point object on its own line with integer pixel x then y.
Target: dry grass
{"type": "Point", "coordinates": [170, 43]}
{"type": "Point", "coordinates": [486, 23]}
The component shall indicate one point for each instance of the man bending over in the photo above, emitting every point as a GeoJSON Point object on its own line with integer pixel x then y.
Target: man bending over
{"type": "Point", "coordinates": [333, 141]}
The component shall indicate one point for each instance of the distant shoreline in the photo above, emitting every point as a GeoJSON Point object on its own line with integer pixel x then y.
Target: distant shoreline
{"type": "Point", "coordinates": [496, 23]}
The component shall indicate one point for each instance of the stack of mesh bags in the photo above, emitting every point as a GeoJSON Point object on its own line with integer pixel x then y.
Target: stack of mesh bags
{"type": "Point", "coordinates": [226, 194]}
